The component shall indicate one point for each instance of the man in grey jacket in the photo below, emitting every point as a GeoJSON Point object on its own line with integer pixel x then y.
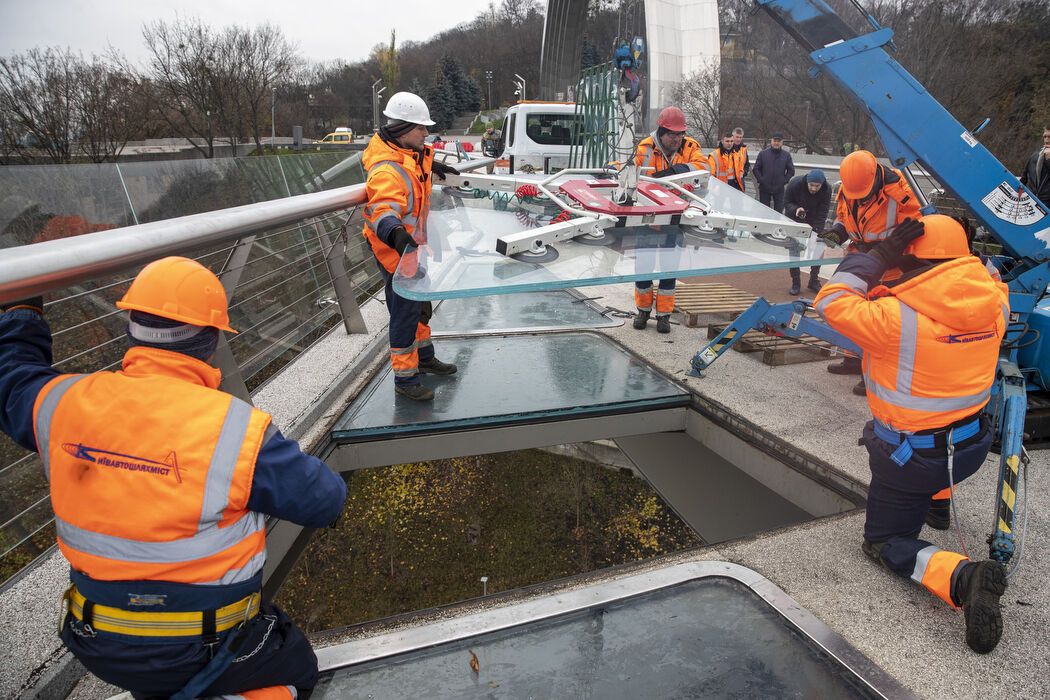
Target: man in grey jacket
{"type": "Point", "coordinates": [1036, 174]}
{"type": "Point", "coordinates": [773, 169]}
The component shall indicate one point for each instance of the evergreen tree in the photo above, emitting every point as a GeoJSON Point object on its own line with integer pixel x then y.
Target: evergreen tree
{"type": "Point", "coordinates": [441, 98]}
{"type": "Point", "coordinates": [590, 55]}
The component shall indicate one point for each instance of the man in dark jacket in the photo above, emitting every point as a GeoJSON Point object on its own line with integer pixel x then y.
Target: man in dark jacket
{"type": "Point", "coordinates": [807, 200]}
{"type": "Point", "coordinates": [773, 168]}
{"type": "Point", "coordinates": [1036, 175]}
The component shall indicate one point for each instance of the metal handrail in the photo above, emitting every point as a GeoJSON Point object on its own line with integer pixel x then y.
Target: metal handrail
{"type": "Point", "coordinates": [29, 270]}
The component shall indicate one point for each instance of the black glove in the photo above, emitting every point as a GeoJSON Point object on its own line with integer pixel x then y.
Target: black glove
{"type": "Point", "coordinates": [832, 237]}
{"type": "Point", "coordinates": [441, 170]}
{"type": "Point", "coordinates": [402, 239]}
{"type": "Point", "coordinates": [663, 173]}
{"type": "Point", "coordinates": [889, 251]}
{"type": "Point", "coordinates": [33, 304]}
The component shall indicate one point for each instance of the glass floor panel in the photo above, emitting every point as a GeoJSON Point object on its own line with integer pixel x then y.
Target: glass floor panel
{"type": "Point", "coordinates": [512, 379]}
{"type": "Point", "coordinates": [531, 311]}
{"type": "Point", "coordinates": [460, 258]}
{"type": "Point", "coordinates": [711, 637]}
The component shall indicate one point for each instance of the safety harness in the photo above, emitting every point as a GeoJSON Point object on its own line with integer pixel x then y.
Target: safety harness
{"type": "Point", "coordinates": [907, 443]}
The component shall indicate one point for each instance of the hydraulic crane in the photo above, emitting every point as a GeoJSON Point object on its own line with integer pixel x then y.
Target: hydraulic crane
{"type": "Point", "coordinates": [915, 128]}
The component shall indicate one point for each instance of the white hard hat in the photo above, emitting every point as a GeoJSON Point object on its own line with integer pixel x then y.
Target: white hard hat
{"type": "Point", "coordinates": [408, 107]}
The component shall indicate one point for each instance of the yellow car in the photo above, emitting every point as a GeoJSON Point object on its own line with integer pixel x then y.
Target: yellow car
{"type": "Point", "coordinates": [341, 135]}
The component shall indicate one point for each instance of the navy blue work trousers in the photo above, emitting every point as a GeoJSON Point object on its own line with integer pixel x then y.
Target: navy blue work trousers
{"type": "Point", "coordinates": [899, 497]}
{"type": "Point", "coordinates": [405, 317]}
{"type": "Point", "coordinates": [278, 654]}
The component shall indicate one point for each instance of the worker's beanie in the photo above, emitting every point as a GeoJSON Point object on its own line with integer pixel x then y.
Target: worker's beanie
{"type": "Point", "coordinates": [147, 330]}
{"type": "Point", "coordinates": [396, 127]}
{"type": "Point", "coordinates": [816, 176]}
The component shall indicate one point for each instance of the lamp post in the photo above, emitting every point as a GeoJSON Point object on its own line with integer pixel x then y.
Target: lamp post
{"type": "Point", "coordinates": [522, 86]}
{"type": "Point", "coordinates": [488, 79]}
{"type": "Point", "coordinates": [273, 118]}
{"type": "Point", "coordinates": [484, 585]}
{"type": "Point", "coordinates": [375, 104]}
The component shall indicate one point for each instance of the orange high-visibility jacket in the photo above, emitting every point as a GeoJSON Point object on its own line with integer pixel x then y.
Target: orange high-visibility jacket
{"type": "Point", "coordinates": [873, 221]}
{"type": "Point", "coordinates": [740, 163]}
{"type": "Point", "coordinates": [151, 469]}
{"type": "Point", "coordinates": [726, 166]}
{"type": "Point", "coordinates": [931, 343]}
{"type": "Point", "coordinates": [648, 155]}
{"type": "Point", "coordinates": [398, 185]}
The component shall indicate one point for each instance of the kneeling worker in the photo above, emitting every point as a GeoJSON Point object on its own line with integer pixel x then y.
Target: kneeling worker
{"type": "Point", "coordinates": [161, 485]}
{"type": "Point", "coordinates": [667, 151]}
{"type": "Point", "coordinates": [399, 165]}
{"type": "Point", "coordinates": [931, 342]}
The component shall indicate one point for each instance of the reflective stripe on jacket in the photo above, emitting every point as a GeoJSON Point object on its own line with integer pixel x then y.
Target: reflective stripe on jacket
{"type": "Point", "coordinates": [872, 221]}
{"type": "Point", "coordinates": [648, 155]}
{"type": "Point", "coordinates": [931, 343]}
{"type": "Point", "coordinates": [398, 185]}
{"type": "Point", "coordinates": [151, 470]}
{"type": "Point", "coordinates": [725, 166]}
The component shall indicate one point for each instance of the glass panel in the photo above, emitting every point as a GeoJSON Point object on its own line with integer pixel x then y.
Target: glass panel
{"type": "Point", "coordinates": [711, 638]}
{"type": "Point", "coordinates": [44, 202]}
{"type": "Point", "coordinates": [460, 258]}
{"type": "Point", "coordinates": [531, 311]}
{"type": "Point", "coordinates": [504, 380]}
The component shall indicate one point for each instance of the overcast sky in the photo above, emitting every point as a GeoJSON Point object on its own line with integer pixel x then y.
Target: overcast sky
{"type": "Point", "coordinates": [324, 31]}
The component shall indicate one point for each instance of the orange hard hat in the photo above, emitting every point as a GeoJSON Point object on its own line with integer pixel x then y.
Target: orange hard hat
{"type": "Point", "coordinates": [858, 172]}
{"type": "Point", "coordinates": [179, 289]}
{"type": "Point", "coordinates": [944, 238]}
{"type": "Point", "coordinates": [672, 119]}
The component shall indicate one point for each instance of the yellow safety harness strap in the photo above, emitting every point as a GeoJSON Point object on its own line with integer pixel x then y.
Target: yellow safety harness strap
{"type": "Point", "coordinates": [103, 618]}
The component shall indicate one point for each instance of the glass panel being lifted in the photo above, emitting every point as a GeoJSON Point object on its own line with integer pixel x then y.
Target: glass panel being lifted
{"type": "Point", "coordinates": [517, 313]}
{"type": "Point", "coordinates": [502, 234]}
{"type": "Point", "coordinates": [513, 379]}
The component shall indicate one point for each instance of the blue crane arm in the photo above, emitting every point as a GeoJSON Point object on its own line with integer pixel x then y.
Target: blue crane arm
{"type": "Point", "coordinates": [913, 126]}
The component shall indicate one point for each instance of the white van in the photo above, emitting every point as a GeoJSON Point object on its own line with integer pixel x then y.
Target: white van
{"type": "Point", "coordinates": [536, 137]}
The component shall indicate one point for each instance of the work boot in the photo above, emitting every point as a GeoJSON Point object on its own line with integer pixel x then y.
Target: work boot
{"type": "Point", "coordinates": [796, 288]}
{"type": "Point", "coordinates": [640, 319]}
{"type": "Point", "coordinates": [849, 365]}
{"type": "Point", "coordinates": [436, 366]}
{"type": "Point", "coordinates": [814, 284]}
{"type": "Point", "coordinates": [663, 324]}
{"type": "Point", "coordinates": [939, 516]}
{"type": "Point", "coordinates": [859, 389]}
{"type": "Point", "coordinates": [416, 392]}
{"type": "Point", "coordinates": [873, 550]}
{"type": "Point", "coordinates": [978, 587]}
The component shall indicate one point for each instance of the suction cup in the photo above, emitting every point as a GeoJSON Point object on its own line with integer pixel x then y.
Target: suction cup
{"type": "Point", "coordinates": [600, 238]}
{"type": "Point", "coordinates": [779, 240]}
{"type": "Point", "coordinates": [713, 235]}
{"type": "Point", "coordinates": [539, 254]}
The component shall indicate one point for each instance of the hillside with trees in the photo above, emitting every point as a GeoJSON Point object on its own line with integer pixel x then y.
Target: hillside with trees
{"type": "Point", "coordinates": [980, 58]}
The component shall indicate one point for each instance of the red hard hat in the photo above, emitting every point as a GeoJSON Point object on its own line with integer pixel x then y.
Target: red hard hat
{"type": "Point", "coordinates": [672, 119]}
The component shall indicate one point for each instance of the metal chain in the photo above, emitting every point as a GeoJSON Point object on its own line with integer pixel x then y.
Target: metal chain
{"type": "Point", "coordinates": [256, 650]}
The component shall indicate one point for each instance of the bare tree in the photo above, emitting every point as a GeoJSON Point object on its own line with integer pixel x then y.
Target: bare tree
{"type": "Point", "coordinates": [182, 63]}
{"type": "Point", "coordinates": [699, 96]}
{"type": "Point", "coordinates": [265, 60]}
{"type": "Point", "coordinates": [111, 109]}
{"type": "Point", "coordinates": [38, 96]}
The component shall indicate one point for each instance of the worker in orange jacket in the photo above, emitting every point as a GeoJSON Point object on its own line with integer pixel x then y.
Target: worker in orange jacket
{"type": "Point", "coordinates": [666, 151]}
{"type": "Point", "coordinates": [871, 201]}
{"type": "Point", "coordinates": [931, 342]}
{"type": "Point", "coordinates": [399, 165]}
{"type": "Point", "coordinates": [725, 164]}
{"type": "Point", "coordinates": [161, 485]}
